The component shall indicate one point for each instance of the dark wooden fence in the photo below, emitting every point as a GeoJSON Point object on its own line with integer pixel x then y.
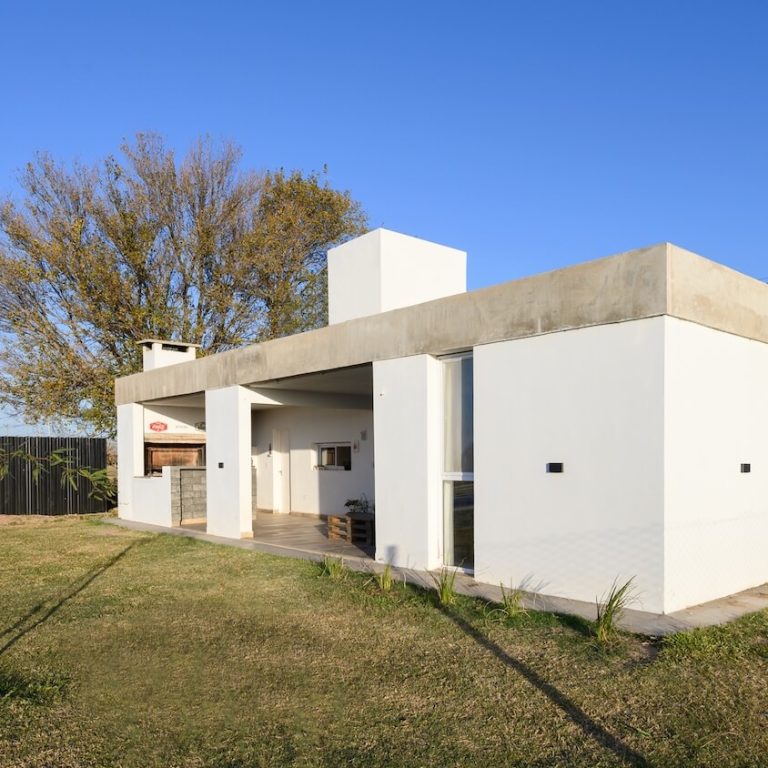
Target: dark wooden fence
{"type": "Point", "coordinates": [21, 493]}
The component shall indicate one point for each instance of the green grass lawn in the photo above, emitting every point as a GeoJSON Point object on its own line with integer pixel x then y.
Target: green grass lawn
{"type": "Point", "coordinates": [119, 648]}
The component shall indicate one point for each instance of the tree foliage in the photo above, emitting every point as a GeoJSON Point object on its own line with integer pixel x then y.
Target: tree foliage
{"type": "Point", "coordinates": [97, 257]}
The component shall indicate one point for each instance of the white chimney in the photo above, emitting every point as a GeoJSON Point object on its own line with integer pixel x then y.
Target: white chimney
{"type": "Point", "coordinates": [384, 270]}
{"type": "Point", "coordinates": [159, 353]}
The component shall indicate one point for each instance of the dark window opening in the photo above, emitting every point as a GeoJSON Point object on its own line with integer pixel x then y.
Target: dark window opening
{"type": "Point", "coordinates": [336, 456]}
{"type": "Point", "coordinates": [159, 455]}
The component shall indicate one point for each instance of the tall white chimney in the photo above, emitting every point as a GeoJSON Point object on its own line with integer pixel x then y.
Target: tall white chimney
{"type": "Point", "coordinates": [385, 270]}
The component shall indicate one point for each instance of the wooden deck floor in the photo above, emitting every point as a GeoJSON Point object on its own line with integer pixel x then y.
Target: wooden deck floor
{"type": "Point", "coordinates": [297, 532]}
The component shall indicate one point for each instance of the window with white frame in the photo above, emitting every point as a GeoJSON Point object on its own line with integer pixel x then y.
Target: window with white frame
{"type": "Point", "coordinates": [334, 456]}
{"type": "Point", "coordinates": [458, 462]}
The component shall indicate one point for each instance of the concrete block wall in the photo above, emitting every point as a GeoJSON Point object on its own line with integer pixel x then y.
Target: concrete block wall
{"type": "Point", "coordinates": [188, 494]}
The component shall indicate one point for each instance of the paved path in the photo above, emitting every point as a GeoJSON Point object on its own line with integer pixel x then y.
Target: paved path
{"type": "Point", "coordinates": [305, 538]}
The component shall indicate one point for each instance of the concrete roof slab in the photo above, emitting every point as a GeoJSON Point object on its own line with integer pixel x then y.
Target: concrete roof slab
{"type": "Point", "coordinates": [648, 282]}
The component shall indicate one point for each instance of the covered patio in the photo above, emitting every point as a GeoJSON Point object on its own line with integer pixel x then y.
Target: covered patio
{"type": "Point", "coordinates": [297, 532]}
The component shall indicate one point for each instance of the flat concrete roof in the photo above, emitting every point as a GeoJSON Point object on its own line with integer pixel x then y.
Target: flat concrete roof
{"type": "Point", "coordinates": [660, 280]}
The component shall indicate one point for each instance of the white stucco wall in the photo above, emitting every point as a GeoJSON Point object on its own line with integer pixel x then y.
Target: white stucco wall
{"type": "Point", "coordinates": [314, 491]}
{"type": "Point", "coordinates": [151, 499]}
{"type": "Point", "coordinates": [228, 462]}
{"type": "Point", "coordinates": [592, 399]}
{"type": "Point", "coordinates": [180, 420]}
{"type": "Point", "coordinates": [407, 407]}
{"type": "Point", "coordinates": [154, 356]}
{"type": "Point", "coordinates": [130, 456]}
{"type": "Point", "coordinates": [716, 419]}
{"type": "Point", "coordinates": [385, 270]}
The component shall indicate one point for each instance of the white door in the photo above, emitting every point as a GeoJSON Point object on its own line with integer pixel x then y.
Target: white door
{"type": "Point", "coordinates": [281, 472]}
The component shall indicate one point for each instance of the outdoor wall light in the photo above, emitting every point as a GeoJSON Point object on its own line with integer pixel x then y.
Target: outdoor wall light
{"type": "Point", "coordinates": [746, 467]}
{"type": "Point", "coordinates": [555, 467]}
{"type": "Point", "coordinates": [221, 465]}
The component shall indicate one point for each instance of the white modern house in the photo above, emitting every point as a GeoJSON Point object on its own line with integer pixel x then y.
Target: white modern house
{"type": "Point", "coordinates": [600, 422]}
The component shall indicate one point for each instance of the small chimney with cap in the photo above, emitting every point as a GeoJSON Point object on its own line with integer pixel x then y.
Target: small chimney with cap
{"type": "Point", "coordinates": [159, 353]}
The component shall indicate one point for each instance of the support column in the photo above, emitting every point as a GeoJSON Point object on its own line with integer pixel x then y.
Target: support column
{"type": "Point", "coordinates": [130, 455]}
{"type": "Point", "coordinates": [228, 462]}
{"type": "Point", "coordinates": [407, 431]}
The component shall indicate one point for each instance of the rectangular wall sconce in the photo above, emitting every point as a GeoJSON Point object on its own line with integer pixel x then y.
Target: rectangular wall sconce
{"type": "Point", "coordinates": [746, 467]}
{"type": "Point", "coordinates": [555, 466]}
{"type": "Point", "coordinates": [221, 465]}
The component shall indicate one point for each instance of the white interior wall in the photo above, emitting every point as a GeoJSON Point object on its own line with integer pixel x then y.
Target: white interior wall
{"type": "Point", "coordinates": [407, 407]}
{"type": "Point", "coordinates": [314, 491]}
{"type": "Point", "coordinates": [592, 399]}
{"type": "Point", "coordinates": [716, 419]}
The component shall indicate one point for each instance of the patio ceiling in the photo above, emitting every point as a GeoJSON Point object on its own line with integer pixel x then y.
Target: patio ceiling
{"type": "Point", "coordinates": [356, 380]}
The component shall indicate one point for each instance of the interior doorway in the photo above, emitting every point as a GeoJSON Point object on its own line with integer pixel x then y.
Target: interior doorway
{"type": "Point", "coordinates": [281, 472]}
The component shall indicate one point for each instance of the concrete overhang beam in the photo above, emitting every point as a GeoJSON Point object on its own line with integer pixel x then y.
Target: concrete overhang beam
{"type": "Point", "coordinates": [659, 280]}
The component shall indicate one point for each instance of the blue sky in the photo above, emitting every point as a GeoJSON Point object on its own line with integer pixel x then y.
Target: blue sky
{"type": "Point", "coordinates": [531, 134]}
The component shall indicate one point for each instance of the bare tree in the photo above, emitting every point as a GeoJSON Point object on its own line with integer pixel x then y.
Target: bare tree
{"type": "Point", "coordinates": [96, 257]}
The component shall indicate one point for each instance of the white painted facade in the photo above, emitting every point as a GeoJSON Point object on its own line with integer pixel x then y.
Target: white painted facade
{"type": "Point", "coordinates": [592, 399]}
{"type": "Point", "coordinates": [407, 413]}
{"type": "Point", "coordinates": [172, 420]}
{"type": "Point", "coordinates": [158, 354]}
{"type": "Point", "coordinates": [716, 419]}
{"type": "Point", "coordinates": [228, 462]}
{"type": "Point", "coordinates": [145, 499]}
{"type": "Point", "coordinates": [130, 465]}
{"type": "Point", "coordinates": [651, 418]}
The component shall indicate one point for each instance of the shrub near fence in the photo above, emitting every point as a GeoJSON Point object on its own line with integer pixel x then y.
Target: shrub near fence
{"type": "Point", "coordinates": [33, 484]}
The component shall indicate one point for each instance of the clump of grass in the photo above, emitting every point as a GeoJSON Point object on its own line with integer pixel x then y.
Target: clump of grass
{"type": "Point", "coordinates": [511, 606]}
{"type": "Point", "coordinates": [714, 644]}
{"type": "Point", "coordinates": [511, 602]}
{"type": "Point", "coordinates": [445, 586]}
{"type": "Point", "coordinates": [333, 568]}
{"type": "Point", "coordinates": [385, 579]}
{"type": "Point", "coordinates": [609, 611]}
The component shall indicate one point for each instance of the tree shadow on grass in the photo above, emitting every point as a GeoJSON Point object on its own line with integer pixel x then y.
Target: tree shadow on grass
{"type": "Point", "coordinates": [590, 727]}
{"type": "Point", "coordinates": [578, 624]}
{"type": "Point", "coordinates": [35, 617]}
